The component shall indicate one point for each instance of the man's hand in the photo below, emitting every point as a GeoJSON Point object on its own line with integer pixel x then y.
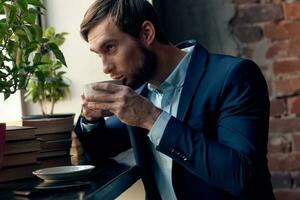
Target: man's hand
{"type": "Point", "coordinates": [131, 108]}
{"type": "Point", "coordinates": [92, 114]}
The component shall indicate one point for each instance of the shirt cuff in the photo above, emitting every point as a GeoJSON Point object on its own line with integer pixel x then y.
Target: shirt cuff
{"type": "Point", "coordinates": [156, 132]}
{"type": "Point", "coordinates": [87, 127]}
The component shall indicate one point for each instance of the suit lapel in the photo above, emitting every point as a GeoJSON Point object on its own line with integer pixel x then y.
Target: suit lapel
{"type": "Point", "coordinates": [196, 68]}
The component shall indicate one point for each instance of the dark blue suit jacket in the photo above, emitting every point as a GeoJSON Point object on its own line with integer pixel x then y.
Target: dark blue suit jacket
{"type": "Point", "coordinates": [218, 142]}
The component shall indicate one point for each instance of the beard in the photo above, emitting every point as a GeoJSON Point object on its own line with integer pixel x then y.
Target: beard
{"type": "Point", "coordinates": [143, 72]}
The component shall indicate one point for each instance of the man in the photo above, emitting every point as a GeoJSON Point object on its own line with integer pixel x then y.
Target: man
{"type": "Point", "coordinates": [197, 122]}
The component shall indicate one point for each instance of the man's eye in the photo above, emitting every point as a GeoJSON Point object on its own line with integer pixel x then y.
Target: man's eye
{"type": "Point", "coordinates": [110, 47]}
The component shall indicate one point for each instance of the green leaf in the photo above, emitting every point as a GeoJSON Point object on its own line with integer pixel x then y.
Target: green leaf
{"type": "Point", "coordinates": [13, 15]}
{"type": "Point", "coordinates": [10, 12]}
{"type": "Point", "coordinates": [1, 9]}
{"type": "Point", "coordinates": [36, 3]}
{"type": "Point", "coordinates": [7, 9]}
{"type": "Point", "coordinates": [37, 58]}
{"type": "Point", "coordinates": [61, 73]}
{"type": "Point", "coordinates": [35, 11]}
{"type": "Point", "coordinates": [58, 54]}
{"type": "Point", "coordinates": [30, 48]}
{"type": "Point", "coordinates": [49, 32]}
{"type": "Point", "coordinates": [40, 76]}
{"type": "Point", "coordinates": [28, 33]}
{"type": "Point", "coordinates": [2, 75]}
{"type": "Point", "coordinates": [20, 32]}
{"type": "Point", "coordinates": [30, 17]}
{"type": "Point", "coordinates": [30, 69]}
{"type": "Point", "coordinates": [38, 32]}
{"type": "Point", "coordinates": [6, 95]}
{"type": "Point", "coordinates": [11, 46]}
{"type": "Point", "coordinates": [23, 4]}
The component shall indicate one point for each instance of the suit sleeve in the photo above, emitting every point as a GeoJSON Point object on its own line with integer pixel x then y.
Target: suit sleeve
{"type": "Point", "coordinates": [107, 139]}
{"type": "Point", "coordinates": [226, 162]}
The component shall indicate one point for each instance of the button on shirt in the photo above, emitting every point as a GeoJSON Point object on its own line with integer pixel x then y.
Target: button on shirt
{"type": "Point", "coordinates": [166, 97]}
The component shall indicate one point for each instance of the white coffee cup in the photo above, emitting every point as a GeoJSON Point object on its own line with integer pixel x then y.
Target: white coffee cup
{"type": "Point", "coordinates": [89, 91]}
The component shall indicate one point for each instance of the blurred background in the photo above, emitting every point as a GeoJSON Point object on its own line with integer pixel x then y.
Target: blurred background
{"type": "Point", "coordinates": [266, 31]}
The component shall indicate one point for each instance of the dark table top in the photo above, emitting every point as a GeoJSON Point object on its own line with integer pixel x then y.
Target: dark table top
{"type": "Point", "coordinates": [107, 181]}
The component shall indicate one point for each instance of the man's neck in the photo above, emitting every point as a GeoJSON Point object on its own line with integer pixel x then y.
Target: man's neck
{"type": "Point", "coordinates": [168, 57]}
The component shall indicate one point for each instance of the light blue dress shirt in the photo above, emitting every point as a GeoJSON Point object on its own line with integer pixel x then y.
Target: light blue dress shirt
{"type": "Point", "coordinates": [166, 97]}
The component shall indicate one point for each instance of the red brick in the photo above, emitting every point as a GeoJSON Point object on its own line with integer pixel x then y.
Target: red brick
{"type": "Point", "coordinates": [288, 86]}
{"type": "Point", "coordinates": [269, 83]}
{"type": "Point", "coordinates": [245, 1]}
{"type": "Point", "coordinates": [247, 33]}
{"type": "Point", "coordinates": [279, 144]}
{"type": "Point", "coordinates": [278, 49]}
{"type": "Point", "coordinates": [287, 194]}
{"type": "Point", "coordinates": [294, 105]}
{"type": "Point", "coordinates": [296, 142]}
{"type": "Point", "coordinates": [292, 10]}
{"type": "Point", "coordinates": [283, 30]}
{"type": "Point", "coordinates": [286, 66]}
{"type": "Point", "coordinates": [294, 47]}
{"type": "Point", "coordinates": [278, 107]}
{"type": "Point", "coordinates": [259, 13]}
{"type": "Point", "coordinates": [281, 180]}
{"type": "Point", "coordinates": [284, 125]}
{"type": "Point", "coordinates": [271, 1]}
{"type": "Point", "coordinates": [284, 162]}
{"type": "Point", "coordinates": [284, 48]}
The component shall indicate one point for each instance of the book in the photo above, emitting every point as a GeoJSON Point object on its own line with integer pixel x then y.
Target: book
{"type": "Point", "coordinates": [55, 161]}
{"type": "Point", "coordinates": [19, 133]}
{"type": "Point", "coordinates": [21, 172]}
{"type": "Point", "coordinates": [50, 125]}
{"type": "Point", "coordinates": [20, 159]}
{"type": "Point", "coordinates": [16, 173]}
{"type": "Point", "coordinates": [50, 154]}
{"type": "Point", "coordinates": [21, 146]}
{"type": "Point", "coordinates": [63, 144]}
{"type": "Point", "coordinates": [54, 136]}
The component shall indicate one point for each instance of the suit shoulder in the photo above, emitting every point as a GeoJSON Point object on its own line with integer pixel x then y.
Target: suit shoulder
{"type": "Point", "coordinates": [228, 64]}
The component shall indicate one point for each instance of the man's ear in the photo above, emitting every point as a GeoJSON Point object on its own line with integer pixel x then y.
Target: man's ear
{"type": "Point", "coordinates": [147, 34]}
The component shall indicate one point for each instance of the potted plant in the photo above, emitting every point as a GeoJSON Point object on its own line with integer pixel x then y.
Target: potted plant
{"type": "Point", "coordinates": [21, 48]}
{"type": "Point", "coordinates": [48, 84]}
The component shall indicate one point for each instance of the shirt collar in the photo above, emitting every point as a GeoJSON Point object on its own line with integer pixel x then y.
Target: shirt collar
{"type": "Point", "coordinates": [177, 76]}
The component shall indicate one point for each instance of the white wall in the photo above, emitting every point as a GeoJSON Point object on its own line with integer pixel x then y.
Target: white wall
{"type": "Point", "coordinates": [10, 109]}
{"type": "Point", "coordinates": [83, 66]}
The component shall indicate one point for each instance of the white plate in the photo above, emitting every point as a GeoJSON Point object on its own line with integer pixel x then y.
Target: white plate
{"type": "Point", "coordinates": [63, 173]}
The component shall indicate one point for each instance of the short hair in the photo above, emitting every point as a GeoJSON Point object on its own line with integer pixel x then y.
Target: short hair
{"type": "Point", "coordinates": [128, 15]}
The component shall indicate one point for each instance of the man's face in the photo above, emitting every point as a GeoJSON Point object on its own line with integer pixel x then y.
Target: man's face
{"type": "Point", "coordinates": [123, 57]}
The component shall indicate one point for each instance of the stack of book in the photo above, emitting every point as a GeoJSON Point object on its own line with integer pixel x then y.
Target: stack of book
{"type": "Point", "coordinates": [55, 139]}
{"type": "Point", "coordinates": [20, 153]}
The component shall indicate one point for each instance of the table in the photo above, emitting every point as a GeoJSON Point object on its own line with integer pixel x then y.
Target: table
{"type": "Point", "coordinates": [107, 182]}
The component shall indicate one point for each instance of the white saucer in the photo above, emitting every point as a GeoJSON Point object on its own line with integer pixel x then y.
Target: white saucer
{"type": "Point", "coordinates": [49, 185]}
{"type": "Point", "coordinates": [63, 173]}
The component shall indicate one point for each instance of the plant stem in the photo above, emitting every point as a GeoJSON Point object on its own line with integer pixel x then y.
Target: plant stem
{"type": "Point", "coordinates": [18, 57]}
{"type": "Point", "coordinates": [42, 107]}
{"type": "Point", "coordinates": [52, 106]}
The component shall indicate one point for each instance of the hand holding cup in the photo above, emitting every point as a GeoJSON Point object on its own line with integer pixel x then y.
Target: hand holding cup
{"type": "Point", "coordinates": [89, 92]}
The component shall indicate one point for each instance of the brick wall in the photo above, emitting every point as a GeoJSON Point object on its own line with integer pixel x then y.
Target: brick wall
{"type": "Point", "coordinates": [268, 31]}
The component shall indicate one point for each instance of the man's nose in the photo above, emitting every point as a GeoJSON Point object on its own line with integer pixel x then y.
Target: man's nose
{"type": "Point", "coordinates": [107, 66]}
